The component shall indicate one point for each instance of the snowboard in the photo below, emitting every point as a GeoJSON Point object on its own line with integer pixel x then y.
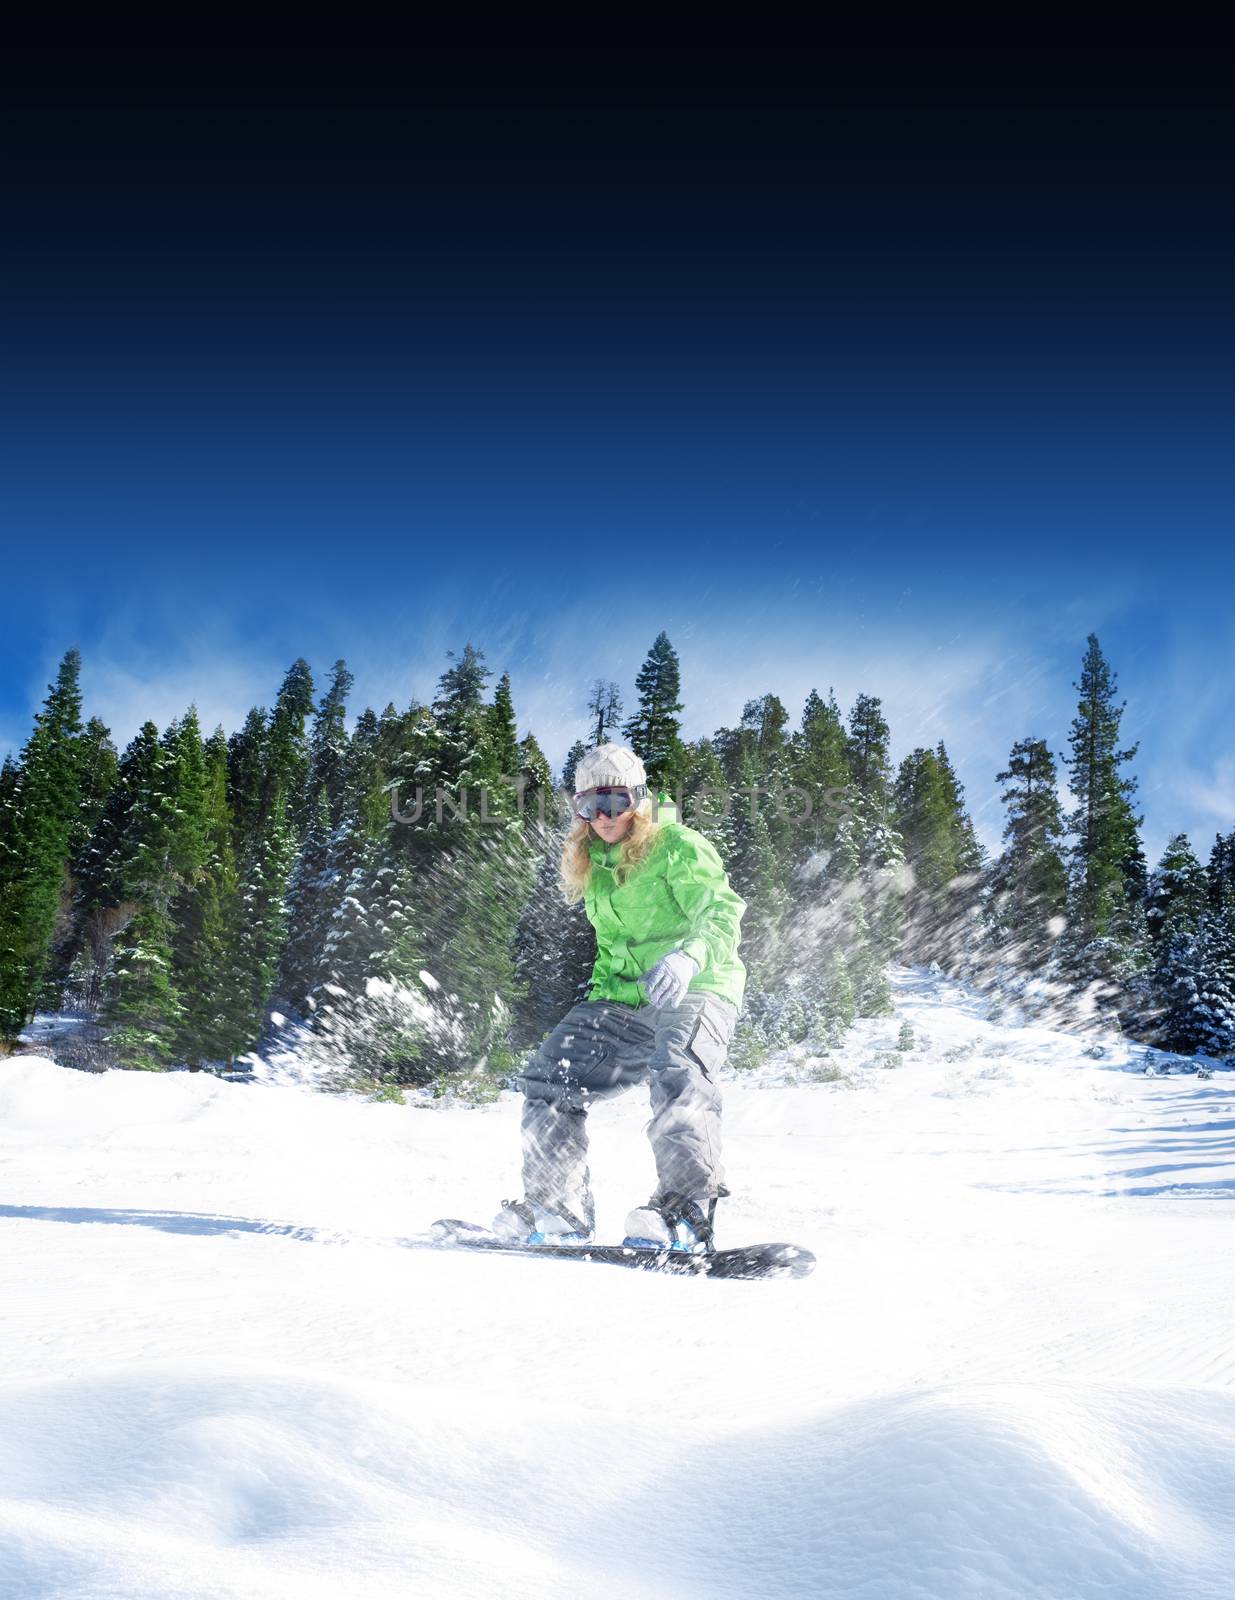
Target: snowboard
{"type": "Point", "coordinates": [745, 1261]}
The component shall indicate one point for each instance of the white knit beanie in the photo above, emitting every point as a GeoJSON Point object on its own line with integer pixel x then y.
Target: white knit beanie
{"type": "Point", "coordinates": [611, 764]}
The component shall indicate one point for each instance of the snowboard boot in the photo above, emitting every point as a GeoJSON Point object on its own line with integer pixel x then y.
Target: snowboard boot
{"type": "Point", "coordinates": [673, 1223]}
{"type": "Point", "coordinates": [529, 1222]}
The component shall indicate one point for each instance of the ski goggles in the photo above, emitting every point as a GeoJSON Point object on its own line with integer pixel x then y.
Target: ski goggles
{"type": "Point", "coordinates": [611, 800]}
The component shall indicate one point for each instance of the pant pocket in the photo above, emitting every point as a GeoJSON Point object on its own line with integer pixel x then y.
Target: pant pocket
{"type": "Point", "coordinates": [707, 1044]}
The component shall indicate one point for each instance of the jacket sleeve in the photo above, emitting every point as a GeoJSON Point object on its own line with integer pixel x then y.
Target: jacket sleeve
{"type": "Point", "coordinates": [711, 907]}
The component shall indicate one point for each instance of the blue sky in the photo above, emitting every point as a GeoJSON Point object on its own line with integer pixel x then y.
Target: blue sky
{"type": "Point", "coordinates": [788, 365]}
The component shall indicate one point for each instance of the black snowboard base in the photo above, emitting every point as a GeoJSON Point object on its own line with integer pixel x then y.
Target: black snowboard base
{"type": "Point", "coordinates": [747, 1261]}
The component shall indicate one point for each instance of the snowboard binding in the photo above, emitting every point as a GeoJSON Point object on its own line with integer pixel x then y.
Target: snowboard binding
{"type": "Point", "coordinates": [672, 1222]}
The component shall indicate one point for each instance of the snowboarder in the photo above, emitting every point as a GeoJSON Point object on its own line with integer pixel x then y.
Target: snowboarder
{"type": "Point", "coordinates": [666, 992]}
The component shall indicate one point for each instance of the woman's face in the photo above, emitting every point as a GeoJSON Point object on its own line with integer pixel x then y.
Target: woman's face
{"type": "Point", "coordinates": [611, 829]}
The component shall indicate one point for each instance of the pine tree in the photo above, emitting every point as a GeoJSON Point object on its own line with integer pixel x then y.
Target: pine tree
{"type": "Point", "coordinates": [43, 806]}
{"type": "Point", "coordinates": [503, 731]}
{"type": "Point", "coordinates": [1220, 873]}
{"type": "Point", "coordinates": [349, 935]}
{"type": "Point", "coordinates": [215, 1025]}
{"type": "Point", "coordinates": [759, 877]}
{"type": "Point", "coordinates": [1190, 993]}
{"type": "Point", "coordinates": [867, 749]}
{"type": "Point", "coordinates": [441, 896]}
{"type": "Point", "coordinates": [923, 814]}
{"type": "Point", "coordinates": [314, 882]}
{"type": "Point", "coordinates": [554, 943]}
{"type": "Point", "coordinates": [654, 731]}
{"type": "Point", "coordinates": [968, 856]}
{"type": "Point", "coordinates": [461, 688]}
{"type": "Point", "coordinates": [328, 744]}
{"type": "Point", "coordinates": [766, 720]}
{"type": "Point", "coordinates": [1193, 986]}
{"type": "Point", "coordinates": [1177, 893]}
{"type": "Point", "coordinates": [153, 844]}
{"type": "Point", "coordinates": [259, 925]}
{"type": "Point", "coordinates": [574, 756]}
{"type": "Point", "coordinates": [246, 762]}
{"type": "Point", "coordinates": [8, 793]}
{"type": "Point", "coordinates": [1029, 881]}
{"type": "Point", "coordinates": [942, 852]}
{"type": "Point", "coordinates": [287, 756]}
{"type": "Point", "coordinates": [1107, 849]}
{"type": "Point", "coordinates": [877, 918]}
{"type": "Point", "coordinates": [1105, 945]}
{"type": "Point", "coordinates": [958, 906]}
{"type": "Point", "coordinates": [821, 769]}
{"type": "Point", "coordinates": [709, 806]}
{"type": "Point", "coordinates": [144, 1009]}
{"type": "Point", "coordinates": [71, 950]}
{"type": "Point", "coordinates": [311, 902]}
{"type": "Point", "coordinates": [604, 707]}
{"type": "Point", "coordinates": [269, 765]}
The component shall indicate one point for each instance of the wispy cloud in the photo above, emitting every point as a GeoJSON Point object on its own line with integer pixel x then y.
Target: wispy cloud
{"type": "Point", "coordinates": [978, 680]}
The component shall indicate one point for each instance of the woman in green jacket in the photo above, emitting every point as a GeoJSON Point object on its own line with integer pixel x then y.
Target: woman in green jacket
{"type": "Point", "coordinates": [666, 991]}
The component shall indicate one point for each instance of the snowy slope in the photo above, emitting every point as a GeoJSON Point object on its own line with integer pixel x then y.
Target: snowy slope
{"type": "Point", "coordinates": [1010, 1376]}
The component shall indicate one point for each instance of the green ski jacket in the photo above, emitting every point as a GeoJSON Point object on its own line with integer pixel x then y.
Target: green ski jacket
{"type": "Point", "coordinates": [679, 896]}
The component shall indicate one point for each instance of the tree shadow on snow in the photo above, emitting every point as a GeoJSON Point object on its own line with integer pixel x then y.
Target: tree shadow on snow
{"type": "Point", "coordinates": [166, 1221]}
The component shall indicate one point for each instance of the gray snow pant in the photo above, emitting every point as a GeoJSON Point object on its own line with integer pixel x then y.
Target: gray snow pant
{"type": "Point", "coordinates": [599, 1049]}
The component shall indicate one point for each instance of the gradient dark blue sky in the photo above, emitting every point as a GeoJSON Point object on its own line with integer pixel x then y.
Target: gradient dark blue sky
{"type": "Point", "coordinates": [897, 360]}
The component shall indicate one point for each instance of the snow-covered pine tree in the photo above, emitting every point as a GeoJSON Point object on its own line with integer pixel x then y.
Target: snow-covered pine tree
{"type": "Point", "coordinates": [535, 775]}
{"type": "Point", "coordinates": [760, 876]}
{"type": "Point", "coordinates": [157, 846]}
{"type": "Point", "coordinates": [328, 743]}
{"type": "Point", "coordinates": [704, 798]}
{"type": "Point", "coordinates": [313, 886]}
{"type": "Point", "coordinates": [554, 943]}
{"type": "Point", "coordinates": [1178, 890]}
{"type": "Point", "coordinates": [311, 900]}
{"type": "Point", "coordinates": [41, 814]}
{"type": "Point", "coordinates": [472, 877]}
{"type": "Point", "coordinates": [268, 770]}
{"type": "Point", "coordinates": [69, 953]}
{"type": "Point", "coordinates": [1190, 999]}
{"type": "Point", "coordinates": [350, 935]}
{"type": "Point", "coordinates": [143, 1010]}
{"type": "Point", "coordinates": [259, 924]}
{"type": "Point", "coordinates": [1216, 959]}
{"type": "Point", "coordinates": [504, 731]}
{"type": "Point", "coordinates": [443, 898]}
{"type": "Point", "coordinates": [8, 792]}
{"type": "Point", "coordinates": [1220, 871]}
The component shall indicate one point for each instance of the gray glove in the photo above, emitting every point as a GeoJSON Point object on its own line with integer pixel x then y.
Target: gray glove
{"type": "Point", "coordinates": [666, 982]}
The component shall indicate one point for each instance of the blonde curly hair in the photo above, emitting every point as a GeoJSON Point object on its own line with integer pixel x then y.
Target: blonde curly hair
{"type": "Point", "coordinates": [575, 867]}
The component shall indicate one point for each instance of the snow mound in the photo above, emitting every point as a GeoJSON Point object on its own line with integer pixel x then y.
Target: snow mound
{"type": "Point", "coordinates": [36, 1095]}
{"type": "Point", "coordinates": [291, 1487]}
